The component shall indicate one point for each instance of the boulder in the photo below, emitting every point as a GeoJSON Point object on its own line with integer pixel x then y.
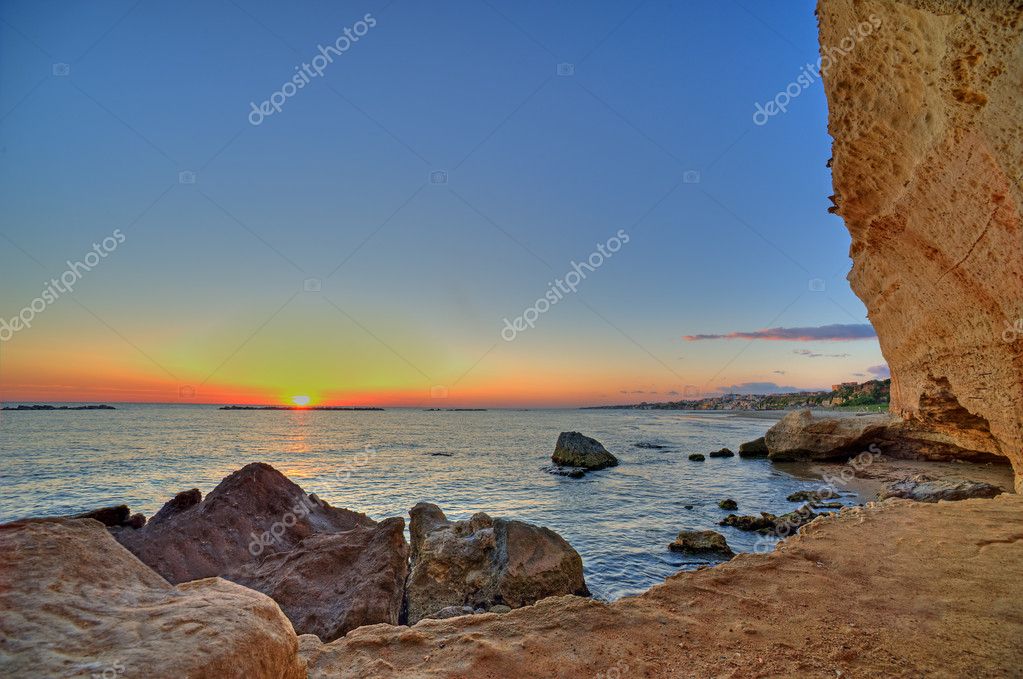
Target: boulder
{"type": "Point", "coordinates": [728, 503]}
{"type": "Point", "coordinates": [575, 450]}
{"type": "Point", "coordinates": [253, 512]}
{"type": "Point", "coordinates": [755, 448]}
{"type": "Point", "coordinates": [724, 452]}
{"type": "Point", "coordinates": [331, 583]}
{"type": "Point", "coordinates": [812, 495]}
{"type": "Point", "coordinates": [74, 603]}
{"type": "Point", "coordinates": [701, 542]}
{"type": "Point", "coordinates": [330, 569]}
{"type": "Point", "coordinates": [483, 562]}
{"type": "Point", "coordinates": [923, 489]}
{"type": "Point", "coordinates": [805, 435]}
{"type": "Point", "coordinates": [697, 457]}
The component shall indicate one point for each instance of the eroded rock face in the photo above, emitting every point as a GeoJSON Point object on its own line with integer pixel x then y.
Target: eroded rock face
{"type": "Point", "coordinates": [74, 603]}
{"type": "Point", "coordinates": [484, 562]}
{"type": "Point", "coordinates": [927, 163]}
{"type": "Point", "coordinates": [330, 569]}
{"type": "Point", "coordinates": [924, 489]}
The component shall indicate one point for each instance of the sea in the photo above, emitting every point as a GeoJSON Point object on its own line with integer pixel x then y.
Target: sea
{"type": "Point", "coordinates": [620, 519]}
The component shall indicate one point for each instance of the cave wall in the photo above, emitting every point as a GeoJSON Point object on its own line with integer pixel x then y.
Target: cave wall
{"type": "Point", "coordinates": [926, 115]}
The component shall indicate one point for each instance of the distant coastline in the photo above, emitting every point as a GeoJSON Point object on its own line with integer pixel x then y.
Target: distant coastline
{"type": "Point", "coordinates": [870, 395]}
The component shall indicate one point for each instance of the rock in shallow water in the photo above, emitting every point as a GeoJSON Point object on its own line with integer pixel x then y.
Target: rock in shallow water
{"type": "Point", "coordinates": [575, 450]}
{"type": "Point", "coordinates": [697, 457]}
{"type": "Point", "coordinates": [484, 562]}
{"type": "Point", "coordinates": [755, 448]}
{"type": "Point", "coordinates": [724, 452]}
{"type": "Point", "coordinates": [701, 542]}
{"type": "Point", "coordinates": [75, 603]}
{"type": "Point", "coordinates": [728, 503]}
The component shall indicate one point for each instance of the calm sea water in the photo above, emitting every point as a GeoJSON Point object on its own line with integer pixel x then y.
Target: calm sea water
{"type": "Point", "coordinates": [620, 520]}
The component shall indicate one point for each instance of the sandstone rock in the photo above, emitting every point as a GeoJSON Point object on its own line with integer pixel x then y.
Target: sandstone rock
{"type": "Point", "coordinates": [804, 435]}
{"type": "Point", "coordinates": [483, 562]}
{"type": "Point", "coordinates": [927, 161]}
{"type": "Point", "coordinates": [450, 612]}
{"type": "Point", "coordinates": [724, 452]}
{"type": "Point", "coordinates": [728, 503]}
{"type": "Point", "coordinates": [331, 583]}
{"type": "Point", "coordinates": [74, 603]}
{"type": "Point", "coordinates": [575, 450]}
{"type": "Point", "coordinates": [755, 448]}
{"type": "Point", "coordinates": [923, 489]}
{"type": "Point", "coordinates": [812, 495]}
{"type": "Point", "coordinates": [701, 542]}
{"type": "Point", "coordinates": [330, 569]}
{"type": "Point", "coordinates": [697, 457]}
{"type": "Point", "coordinates": [253, 512]}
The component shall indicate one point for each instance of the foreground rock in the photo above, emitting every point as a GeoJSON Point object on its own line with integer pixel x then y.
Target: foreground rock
{"type": "Point", "coordinates": [74, 603]}
{"type": "Point", "coordinates": [865, 609]}
{"type": "Point", "coordinates": [484, 562]}
{"type": "Point", "coordinates": [804, 435]}
{"type": "Point", "coordinates": [927, 159]}
{"type": "Point", "coordinates": [701, 542]}
{"type": "Point", "coordinates": [332, 583]}
{"type": "Point", "coordinates": [330, 569]}
{"type": "Point", "coordinates": [755, 448]}
{"type": "Point", "coordinates": [923, 489]}
{"type": "Point", "coordinates": [575, 450]}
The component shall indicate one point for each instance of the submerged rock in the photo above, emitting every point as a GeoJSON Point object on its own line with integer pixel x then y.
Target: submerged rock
{"type": "Point", "coordinates": [724, 452]}
{"type": "Point", "coordinates": [485, 562]}
{"type": "Point", "coordinates": [923, 489]}
{"type": "Point", "coordinates": [75, 603]}
{"type": "Point", "coordinates": [755, 448]}
{"type": "Point", "coordinates": [651, 446]}
{"type": "Point", "coordinates": [697, 457]}
{"type": "Point", "coordinates": [750, 523]}
{"type": "Point", "coordinates": [701, 542]}
{"type": "Point", "coordinates": [728, 503]}
{"type": "Point", "coordinates": [330, 569]}
{"type": "Point", "coordinates": [576, 450]}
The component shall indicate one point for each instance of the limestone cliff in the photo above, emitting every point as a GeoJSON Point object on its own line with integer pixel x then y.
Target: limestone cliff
{"type": "Point", "coordinates": [926, 113]}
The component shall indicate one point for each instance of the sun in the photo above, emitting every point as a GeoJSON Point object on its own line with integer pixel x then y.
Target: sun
{"type": "Point", "coordinates": [300, 401]}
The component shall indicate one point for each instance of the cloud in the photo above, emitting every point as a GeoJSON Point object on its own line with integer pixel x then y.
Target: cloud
{"type": "Point", "coordinates": [836, 333]}
{"type": "Point", "coordinates": [880, 372]}
{"type": "Point", "coordinates": [814, 354]}
{"type": "Point", "coordinates": [757, 388]}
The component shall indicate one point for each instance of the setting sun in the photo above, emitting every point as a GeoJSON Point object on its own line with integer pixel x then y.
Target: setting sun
{"type": "Point", "coordinates": [300, 400]}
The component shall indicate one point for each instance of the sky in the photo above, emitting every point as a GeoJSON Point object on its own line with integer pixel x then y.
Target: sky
{"type": "Point", "coordinates": [475, 203]}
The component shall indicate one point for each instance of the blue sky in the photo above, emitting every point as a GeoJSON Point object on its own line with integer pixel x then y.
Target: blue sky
{"type": "Point", "coordinates": [415, 277]}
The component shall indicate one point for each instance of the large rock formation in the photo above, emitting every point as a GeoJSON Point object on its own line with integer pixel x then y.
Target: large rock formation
{"type": "Point", "coordinates": [74, 603]}
{"type": "Point", "coordinates": [804, 435]}
{"type": "Point", "coordinates": [483, 562]}
{"type": "Point", "coordinates": [330, 569]}
{"type": "Point", "coordinates": [577, 450]}
{"type": "Point", "coordinates": [927, 166]}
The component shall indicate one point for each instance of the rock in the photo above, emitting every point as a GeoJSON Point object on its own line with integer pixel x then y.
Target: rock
{"type": "Point", "coordinates": [500, 608]}
{"type": "Point", "coordinates": [927, 161]}
{"type": "Point", "coordinates": [648, 445]}
{"type": "Point", "coordinates": [728, 504]}
{"type": "Point", "coordinates": [688, 507]}
{"type": "Point", "coordinates": [575, 450]}
{"type": "Point", "coordinates": [755, 448]}
{"type": "Point", "coordinates": [724, 452]}
{"type": "Point", "coordinates": [253, 512]}
{"type": "Point", "coordinates": [330, 569]}
{"type": "Point", "coordinates": [922, 489]}
{"type": "Point", "coordinates": [118, 515]}
{"type": "Point", "coordinates": [570, 472]}
{"type": "Point", "coordinates": [136, 521]}
{"type": "Point", "coordinates": [331, 583]}
{"type": "Point", "coordinates": [812, 495]}
{"type": "Point", "coordinates": [697, 457]}
{"type": "Point", "coordinates": [483, 562]}
{"type": "Point", "coordinates": [451, 612]}
{"type": "Point", "coordinates": [701, 542]}
{"type": "Point", "coordinates": [827, 505]}
{"type": "Point", "coordinates": [805, 435]}
{"type": "Point", "coordinates": [750, 523]}
{"type": "Point", "coordinates": [74, 603]}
